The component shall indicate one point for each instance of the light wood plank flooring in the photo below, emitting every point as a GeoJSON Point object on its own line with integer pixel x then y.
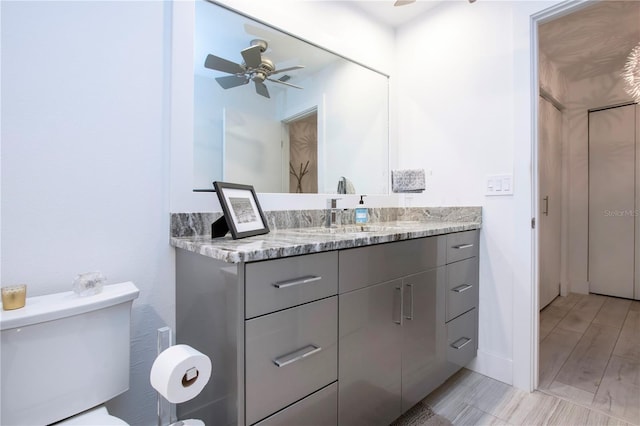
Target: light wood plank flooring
{"type": "Point", "coordinates": [469, 398]}
{"type": "Point", "coordinates": [590, 353]}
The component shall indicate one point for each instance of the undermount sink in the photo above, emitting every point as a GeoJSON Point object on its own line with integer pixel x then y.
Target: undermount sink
{"type": "Point", "coordinates": [346, 229]}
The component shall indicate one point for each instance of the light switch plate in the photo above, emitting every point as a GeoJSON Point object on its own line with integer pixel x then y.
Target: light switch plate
{"type": "Point", "coordinates": [499, 185]}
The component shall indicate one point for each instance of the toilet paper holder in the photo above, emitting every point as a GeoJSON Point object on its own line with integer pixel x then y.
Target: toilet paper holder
{"type": "Point", "coordinates": [166, 409]}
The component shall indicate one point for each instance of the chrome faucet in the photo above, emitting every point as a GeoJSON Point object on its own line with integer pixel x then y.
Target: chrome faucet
{"type": "Point", "coordinates": [333, 219]}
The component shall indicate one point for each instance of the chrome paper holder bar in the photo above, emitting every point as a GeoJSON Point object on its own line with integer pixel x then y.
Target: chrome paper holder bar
{"type": "Point", "coordinates": [297, 355]}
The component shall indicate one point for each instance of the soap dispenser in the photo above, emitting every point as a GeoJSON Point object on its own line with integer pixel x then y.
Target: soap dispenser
{"type": "Point", "coordinates": [362, 213]}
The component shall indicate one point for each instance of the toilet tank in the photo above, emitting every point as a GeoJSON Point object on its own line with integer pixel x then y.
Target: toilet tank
{"type": "Point", "coordinates": [62, 354]}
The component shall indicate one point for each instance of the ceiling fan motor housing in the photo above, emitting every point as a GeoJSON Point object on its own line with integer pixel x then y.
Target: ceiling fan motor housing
{"type": "Point", "coordinates": [262, 43]}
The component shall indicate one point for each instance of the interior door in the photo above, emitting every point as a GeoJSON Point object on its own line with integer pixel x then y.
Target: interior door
{"type": "Point", "coordinates": [550, 190]}
{"type": "Point", "coordinates": [612, 211]}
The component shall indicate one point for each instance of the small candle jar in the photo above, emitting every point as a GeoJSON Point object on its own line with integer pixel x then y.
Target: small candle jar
{"type": "Point", "coordinates": [14, 297]}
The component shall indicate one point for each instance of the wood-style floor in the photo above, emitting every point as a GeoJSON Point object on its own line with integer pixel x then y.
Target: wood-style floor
{"type": "Point", "coordinates": [469, 398]}
{"type": "Point", "coordinates": [589, 372]}
{"type": "Point", "coordinates": [590, 353]}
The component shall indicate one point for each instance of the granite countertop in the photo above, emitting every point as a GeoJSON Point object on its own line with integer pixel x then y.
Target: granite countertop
{"type": "Point", "coordinates": [296, 241]}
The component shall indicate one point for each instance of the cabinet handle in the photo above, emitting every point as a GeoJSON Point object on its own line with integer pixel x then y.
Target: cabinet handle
{"type": "Point", "coordinates": [546, 206]}
{"type": "Point", "coordinates": [462, 288]}
{"type": "Point", "coordinates": [460, 343]}
{"type": "Point", "coordinates": [410, 316]}
{"type": "Point", "coordinates": [399, 322]}
{"type": "Point", "coordinates": [297, 355]}
{"type": "Point", "coordinates": [462, 246]}
{"type": "Point", "coordinates": [296, 281]}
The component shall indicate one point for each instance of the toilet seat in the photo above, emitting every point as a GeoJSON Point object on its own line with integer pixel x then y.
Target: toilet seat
{"type": "Point", "coordinates": [98, 416]}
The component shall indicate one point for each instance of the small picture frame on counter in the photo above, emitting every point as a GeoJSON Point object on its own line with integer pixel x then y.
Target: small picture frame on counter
{"type": "Point", "coordinates": [243, 215]}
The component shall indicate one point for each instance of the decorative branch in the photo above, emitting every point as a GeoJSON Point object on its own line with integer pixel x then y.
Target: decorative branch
{"type": "Point", "coordinates": [299, 175]}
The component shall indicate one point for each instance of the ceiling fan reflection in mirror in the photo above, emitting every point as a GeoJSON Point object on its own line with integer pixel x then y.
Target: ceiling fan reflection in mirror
{"type": "Point", "coordinates": [256, 68]}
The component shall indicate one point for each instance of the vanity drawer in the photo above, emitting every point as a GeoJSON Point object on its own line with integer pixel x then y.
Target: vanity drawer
{"type": "Point", "coordinates": [462, 245]}
{"type": "Point", "coordinates": [462, 287]}
{"type": "Point", "coordinates": [278, 284]}
{"type": "Point", "coordinates": [462, 339]}
{"type": "Point", "coordinates": [289, 354]}
{"type": "Point", "coordinates": [319, 409]}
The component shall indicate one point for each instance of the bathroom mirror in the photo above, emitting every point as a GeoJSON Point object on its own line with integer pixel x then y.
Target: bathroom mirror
{"type": "Point", "coordinates": [330, 130]}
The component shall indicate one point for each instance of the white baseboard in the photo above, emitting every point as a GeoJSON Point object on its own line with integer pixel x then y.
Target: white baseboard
{"type": "Point", "coordinates": [493, 366]}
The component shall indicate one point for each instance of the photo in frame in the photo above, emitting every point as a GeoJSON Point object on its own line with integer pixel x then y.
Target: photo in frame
{"type": "Point", "coordinates": [242, 212]}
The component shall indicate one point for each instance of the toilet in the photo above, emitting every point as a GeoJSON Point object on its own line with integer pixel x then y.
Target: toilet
{"type": "Point", "coordinates": [63, 356]}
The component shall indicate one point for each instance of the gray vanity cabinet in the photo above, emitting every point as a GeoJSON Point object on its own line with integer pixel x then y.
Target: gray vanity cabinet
{"type": "Point", "coordinates": [346, 337]}
{"type": "Point", "coordinates": [391, 334]}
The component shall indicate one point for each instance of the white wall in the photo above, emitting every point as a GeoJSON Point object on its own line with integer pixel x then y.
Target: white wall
{"type": "Point", "coordinates": [470, 115]}
{"type": "Point", "coordinates": [85, 161]}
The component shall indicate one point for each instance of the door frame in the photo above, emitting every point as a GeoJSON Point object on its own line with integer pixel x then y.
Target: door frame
{"type": "Point", "coordinates": [537, 19]}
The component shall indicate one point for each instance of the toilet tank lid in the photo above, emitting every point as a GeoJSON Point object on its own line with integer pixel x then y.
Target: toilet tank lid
{"type": "Point", "coordinates": [60, 305]}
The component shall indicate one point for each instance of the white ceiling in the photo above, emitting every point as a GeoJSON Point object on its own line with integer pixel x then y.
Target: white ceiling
{"type": "Point", "coordinates": [593, 41]}
{"type": "Point", "coordinates": [387, 14]}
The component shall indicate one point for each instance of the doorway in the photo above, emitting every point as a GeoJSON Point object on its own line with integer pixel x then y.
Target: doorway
{"type": "Point", "coordinates": [583, 338]}
{"type": "Point", "coordinates": [301, 149]}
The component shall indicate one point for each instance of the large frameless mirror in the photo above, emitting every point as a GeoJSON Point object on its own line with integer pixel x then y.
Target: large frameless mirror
{"type": "Point", "coordinates": [283, 115]}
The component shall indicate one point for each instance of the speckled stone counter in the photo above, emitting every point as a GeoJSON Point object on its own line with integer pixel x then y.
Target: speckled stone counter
{"type": "Point", "coordinates": [300, 232]}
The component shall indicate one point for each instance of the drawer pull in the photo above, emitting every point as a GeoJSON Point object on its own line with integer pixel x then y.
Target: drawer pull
{"type": "Point", "coordinates": [463, 246]}
{"type": "Point", "coordinates": [399, 321]}
{"type": "Point", "coordinates": [296, 281]}
{"type": "Point", "coordinates": [410, 316]}
{"type": "Point", "coordinates": [462, 288]}
{"type": "Point", "coordinates": [297, 355]}
{"type": "Point", "coordinates": [460, 343]}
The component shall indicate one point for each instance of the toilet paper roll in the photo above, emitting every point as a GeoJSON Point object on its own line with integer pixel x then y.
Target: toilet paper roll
{"type": "Point", "coordinates": [180, 373]}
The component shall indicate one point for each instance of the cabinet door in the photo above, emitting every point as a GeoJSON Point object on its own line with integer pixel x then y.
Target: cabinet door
{"type": "Point", "coordinates": [370, 336]}
{"type": "Point", "coordinates": [423, 335]}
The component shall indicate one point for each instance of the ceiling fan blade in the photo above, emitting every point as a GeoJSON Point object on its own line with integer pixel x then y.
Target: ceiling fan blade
{"type": "Point", "coordinates": [230, 81]}
{"type": "Point", "coordinates": [261, 89]}
{"type": "Point", "coordinates": [220, 64]}
{"type": "Point", "coordinates": [297, 67]}
{"type": "Point", "coordinates": [403, 2]}
{"type": "Point", "coordinates": [251, 56]}
{"type": "Point", "coordinates": [285, 83]}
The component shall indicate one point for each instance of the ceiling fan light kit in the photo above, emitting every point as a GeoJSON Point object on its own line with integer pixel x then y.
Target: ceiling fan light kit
{"type": "Point", "coordinates": [256, 68]}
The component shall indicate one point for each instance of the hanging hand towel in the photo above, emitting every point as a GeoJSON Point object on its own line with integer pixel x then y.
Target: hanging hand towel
{"type": "Point", "coordinates": [407, 180]}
